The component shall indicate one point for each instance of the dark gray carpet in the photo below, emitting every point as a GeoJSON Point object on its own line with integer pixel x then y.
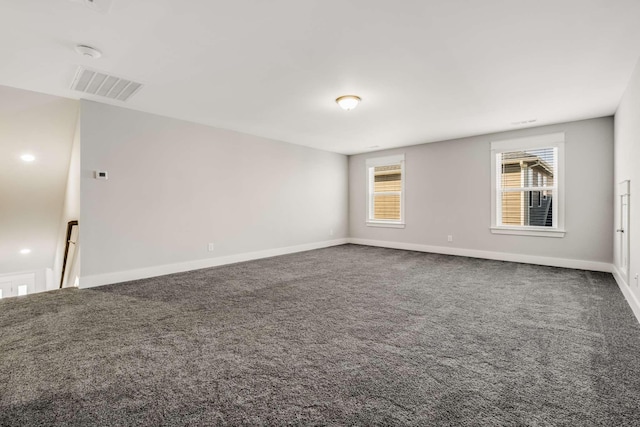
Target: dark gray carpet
{"type": "Point", "coordinates": [349, 335]}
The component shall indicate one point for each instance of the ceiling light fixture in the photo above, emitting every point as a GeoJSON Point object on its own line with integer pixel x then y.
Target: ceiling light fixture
{"type": "Point", "coordinates": [348, 102]}
{"type": "Point", "coordinates": [89, 51]}
{"type": "Point", "coordinates": [25, 251]}
{"type": "Point", "coordinates": [28, 157]}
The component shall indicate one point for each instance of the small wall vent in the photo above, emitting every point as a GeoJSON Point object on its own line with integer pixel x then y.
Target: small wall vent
{"type": "Point", "coordinates": [105, 85]}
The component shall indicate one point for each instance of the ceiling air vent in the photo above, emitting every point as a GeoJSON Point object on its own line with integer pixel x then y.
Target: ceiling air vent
{"type": "Point", "coordinates": [102, 84]}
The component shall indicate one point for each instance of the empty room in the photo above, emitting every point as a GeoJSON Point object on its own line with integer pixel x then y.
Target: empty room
{"type": "Point", "coordinates": [302, 212]}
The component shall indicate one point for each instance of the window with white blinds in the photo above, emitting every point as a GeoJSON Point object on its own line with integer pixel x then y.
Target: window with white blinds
{"type": "Point", "coordinates": [527, 179]}
{"type": "Point", "coordinates": [385, 191]}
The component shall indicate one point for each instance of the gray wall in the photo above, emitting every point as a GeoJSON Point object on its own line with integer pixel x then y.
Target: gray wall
{"type": "Point", "coordinates": [175, 186]}
{"type": "Point", "coordinates": [627, 155]}
{"type": "Point", "coordinates": [448, 189]}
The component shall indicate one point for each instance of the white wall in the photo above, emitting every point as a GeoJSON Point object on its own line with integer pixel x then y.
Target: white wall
{"type": "Point", "coordinates": [41, 280]}
{"type": "Point", "coordinates": [448, 188]}
{"type": "Point", "coordinates": [32, 194]}
{"type": "Point", "coordinates": [175, 186]}
{"type": "Point", "coordinates": [36, 281]}
{"type": "Point", "coordinates": [627, 156]}
{"type": "Point", "coordinates": [71, 206]}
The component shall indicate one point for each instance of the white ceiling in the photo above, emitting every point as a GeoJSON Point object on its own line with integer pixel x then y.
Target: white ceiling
{"type": "Point", "coordinates": [426, 70]}
{"type": "Point", "coordinates": [32, 194]}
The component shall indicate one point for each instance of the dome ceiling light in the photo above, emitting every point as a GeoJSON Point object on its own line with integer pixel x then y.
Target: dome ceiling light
{"type": "Point", "coordinates": [348, 102]}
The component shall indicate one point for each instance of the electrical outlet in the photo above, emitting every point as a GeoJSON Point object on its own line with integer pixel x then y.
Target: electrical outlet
{"type": "Point", "coordinates": [449, 238]}
{"type": "Point", "coordinates": [210, 247]}
{"type": "Point", "coordinates": [331, 232]}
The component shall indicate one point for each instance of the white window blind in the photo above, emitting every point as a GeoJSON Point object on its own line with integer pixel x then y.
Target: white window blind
{"type": "Point", "coordinates": [385, 191]}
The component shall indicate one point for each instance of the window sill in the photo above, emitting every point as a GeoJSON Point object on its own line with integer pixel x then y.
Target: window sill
{"type": "Point", "coordinates": [529, 231]}
{"type": "Point", "coordinates": [385, 224]}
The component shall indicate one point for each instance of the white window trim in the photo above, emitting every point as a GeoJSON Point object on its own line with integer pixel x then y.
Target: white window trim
{"type": "Point", "coordinates": [384, 161]}
{"type": "Point", "coordinates": [540, 141]}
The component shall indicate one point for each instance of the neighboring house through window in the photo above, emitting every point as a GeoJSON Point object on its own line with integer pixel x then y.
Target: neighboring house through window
{"type": "Point", "coordinates": [527, 186]}
{"type": "Point", "coordinates": [385, 191]}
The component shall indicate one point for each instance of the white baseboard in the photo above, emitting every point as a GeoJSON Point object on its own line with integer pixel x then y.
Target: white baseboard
{"type": "Point", "coordinates": [500, 256]}
{"type": "Point", "coordinates": [161, 270]}
{"type": "Point", "coordinates": [632, 300]}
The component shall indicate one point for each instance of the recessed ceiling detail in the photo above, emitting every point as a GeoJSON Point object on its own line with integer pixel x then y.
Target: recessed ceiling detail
{"type": "Point", "coordinates": [524, 122]}
{"type": "Point", "coordinates": [101, 6]}
{"type": "Point", "coordinates": [103, 84]}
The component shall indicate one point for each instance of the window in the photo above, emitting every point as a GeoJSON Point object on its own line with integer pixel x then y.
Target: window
{"type": "Point", "coordinates": [527, 186]}
{"type": "Point", "coordinates": [385, 191]}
